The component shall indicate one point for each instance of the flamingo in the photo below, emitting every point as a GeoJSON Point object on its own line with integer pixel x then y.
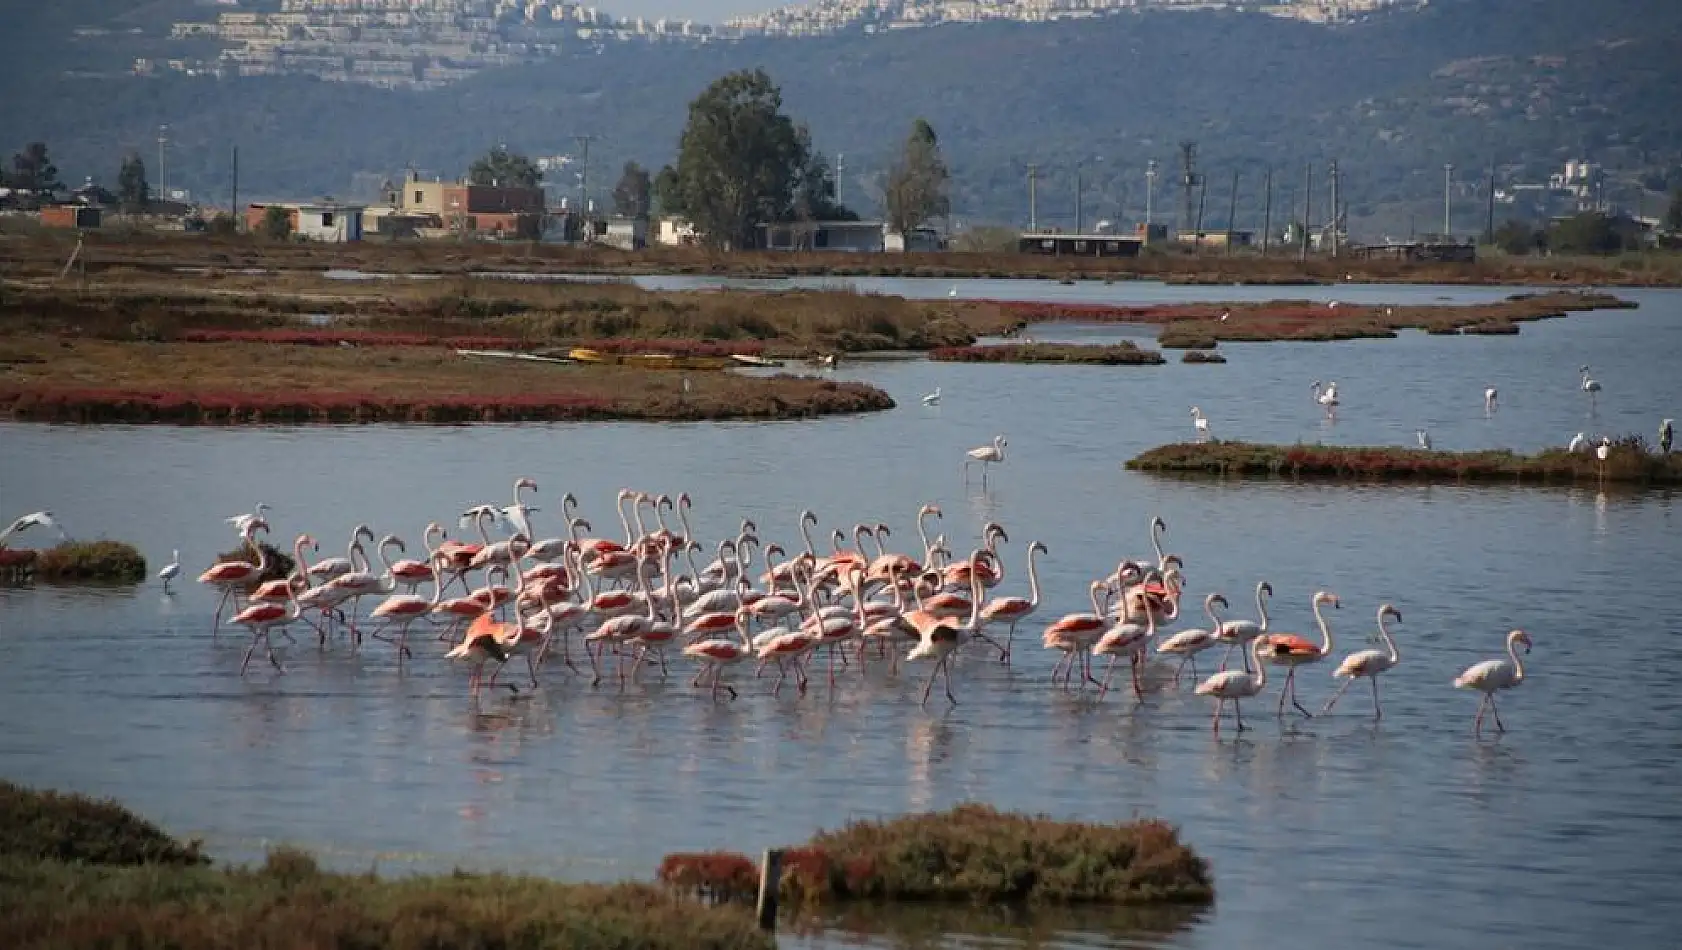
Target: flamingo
{"type": "Point", "coordinates": [262, 619]}
{"type": "Point", "coordinates": [1369, 663]}
{"type": "Point", "coordinates": [1200, 423]}
{"type": "Point", "coordinates": [986, 455]}
{"type": "Point", "coordinates": [232, 575]}
{"type": "Point", "coordinates": [412, 573]}
{"type": "Point", "coordinates": [1291, 650]}
{"type": "Point", "coordinates": [403, 610]}
{"type": "Point", "coordinates": [1127, 637]}
{"type": "Point", "coordinates": [170, 570]}
{"type": "Point", "coordinates": [1236, 633]}
{"type": "Point", "coordinates": [1014, 610]}
{"type": "Point", "coordinates": [1187, 644]}
{"type": "Point", "coordinates": [332, 567]}
{"type": "Point", "coordinates": [240, 522]}
{"type": "Point", "coordinates": [1590, 386]}
{"type": "Point", "coordinates": [1073, 634]}
{"type": "Point", "coordinates": [940, 637]}
{"type": "Point", "coordinates": [1491, 676]}
{"type": "Point", "coordinates": [718, 654]}
{"type": "Point", "coordinates": [1233, 685]}
{"type": "Point", "coordinates": [1489, 396]}
{"type": "Point", "coordinates": [1326, 396]}
{"type": "Point", "coordinates": [479, 646]}
{"type": "Point", "coordinates": [1579, 442]}
{"type": "Point", "coordinates": [932, 399]}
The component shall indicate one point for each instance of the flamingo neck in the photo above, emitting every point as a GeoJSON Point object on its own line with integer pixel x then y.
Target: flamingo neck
{"type": "Point", "coordinates": [624, 521]}
{"type": "Point", "coordinates": [1261, 668]}
{"type": "Point", "coordinates": [1033, 577]}
{"type": "Point", "coordinates": [1518, 664]}
{"type": "Point", "coordinates": [1389, 642]}
{"type": "Point", "coordinates": [1261, 607]}
{"type": "Point", "coordinates": [1325, 630]}
{"type": "Point", "coordinates": [1156, 540]}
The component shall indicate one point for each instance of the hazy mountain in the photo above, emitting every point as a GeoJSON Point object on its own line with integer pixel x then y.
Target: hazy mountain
{"type": "Point", "coordinates": [1526, 83]}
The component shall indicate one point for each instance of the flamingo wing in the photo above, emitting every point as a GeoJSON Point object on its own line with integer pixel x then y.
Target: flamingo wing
{"type": "Point", "coordinates": [1289, 644]}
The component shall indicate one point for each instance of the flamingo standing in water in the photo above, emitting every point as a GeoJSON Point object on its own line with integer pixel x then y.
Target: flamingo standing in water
{"type": "Point", "coordinates": [1129, 637]}
{"type": "Point", "coordinates": [1326, 396]}
{"type": "Point", "coordinates": [402, 610]}
{"type": "Point", "coordinates": [1369, 663]}
{"type": "Point", "coordinates": [1237, 633]}
{"type": "Point", "coordinates": [1074, 634]}
{"type": "Point", "coordinates": [940, 637]}
{"type": "Point", "coordinates": [718, 654]}
{"type": "Point", "coordinates": [1489, 396]}
{"type": "Point", "coordinates": [234, 575]}
{"type": "Point", "coordinates": [1200, 423]}
{"type": "Point", "coordinates": [1233, 685]}
{"type": "Point", "coordinates": [329, 568]}
{"type": "Point", "coordinates": [1187, 644]}
{"type": "Point", "coordinates": [241, 522]}
{"type": "Point", "coordinates": [1590, 386]}
{"type": "Point", "coordinates": [262, 619]}
{"type": "Point", "coordinates": [1291, 650]}
{"type": "Point", "coordinates": [1014, 610]}
{"type": "Point", "coordinates": [1492, 676]}
{"type": "Point", "coordinates": [986, 455]}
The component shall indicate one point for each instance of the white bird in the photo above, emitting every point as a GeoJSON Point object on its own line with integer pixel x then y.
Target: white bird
{"type": "Point", "coordinates": [688, 387]}
{"type": "Point", "coordinates": [32, 520]}
{"type": "Point", "coordinates": [953, 292]}
{"type": "Point", "coordinates": [1424, 439]}
{"type": "Point", "coordinates": [1369, 663]}
{"type": "Point", "coordinates": [1489, 400]}
{"type": "Point", "coordinates": [1491, 676]}
{"type": "Point", "coordinates": [986, 455]}
{"type": "Point", "coordinates": [1603, 450]}
{"type": "Point", "coordinates": [1590, 385]}
{"type": "Point", "coordinates": [242, 522]}
{"type": "Point", "coordinates": [1225, 314]}
{"type": "Point", "coordinates": [1200, 422]}
{"type": "Point", "coordinates": [932, 399]}
{"type": "Point", "coordinates": [1578, 443]}
{"type": "Point", "coordinates": [1326, 396]}
{"type": "Point", "coordinates": [171, 569]}
{"type": "Point", "coordinates": [1234, 685]}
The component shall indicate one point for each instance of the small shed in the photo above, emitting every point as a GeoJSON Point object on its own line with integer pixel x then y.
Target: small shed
{"type": "Point", "coordinates": [70, 216]}
{"type": "Point", "coordinates": [332, 221]}
{"type": "Point", "coordinates": [1067, 244]}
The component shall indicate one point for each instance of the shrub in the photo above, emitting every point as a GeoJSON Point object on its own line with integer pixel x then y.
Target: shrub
{"type": "Point", "coordinates": [1120, 354]}
{"type": "Point", "coordinates": [47, 825]}
{"type": "Point", "coordinates": [91, 561]}
{"type": "Point", "coordinates": [279, 564]}
{"type": "Point", "coordinates": [1202, 356]}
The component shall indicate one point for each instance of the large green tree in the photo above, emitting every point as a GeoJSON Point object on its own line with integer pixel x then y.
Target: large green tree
{"type": "Point", "coordinates": [739, 161]}
{"type": "Point", "coordinates": [499, 166]}
{"type": "Point", "coordinates": [917, 182]}
{"type": "Point", "coordinates": [814, 187]}
{"type": "Point", "coordinates": [632, 197]}
{"type": "Point", "coordinates": [132, 189]}
{"type": "Point", "coordinates": [32, 170]}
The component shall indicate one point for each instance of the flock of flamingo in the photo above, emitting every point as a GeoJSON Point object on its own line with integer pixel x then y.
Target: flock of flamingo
{"type": "Point", "coordinates": [627, 603]}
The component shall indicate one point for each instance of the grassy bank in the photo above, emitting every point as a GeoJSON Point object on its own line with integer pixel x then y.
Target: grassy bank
{"type": "Point", "coordinates": [44, 251]}
{"type": "Point", "coordinates": [73, 562]}
{"type": "Point", "coordinates": [1203, 325]}
{"type": "Point", "coordinates": [1629, 463]}
{"type": "Point", "coordinates": [52, 379]}
{"type": "Point", "coordinates": [76, 873]}
{"type": "Point", "coordinates": [970, 854]}
{"type": "Point", "coordinates": [1118, 354]}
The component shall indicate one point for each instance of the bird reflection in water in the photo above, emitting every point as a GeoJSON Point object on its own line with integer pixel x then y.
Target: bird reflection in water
{"type": "Point", "coordinates": [928, 742]}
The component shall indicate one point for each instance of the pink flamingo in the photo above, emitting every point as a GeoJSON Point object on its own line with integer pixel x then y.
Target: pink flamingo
{"type": "Point", "coordinates": [329, 568]}
{"type": "Point", "coordinates": [1369, 663]}
{"type": "Point", "coordinates": [403, 610]}
{"type": "Point", "coordinates": [1492, 676]}
{"type": "Point", "coordinates": [1189, 643]}
{"type": "Point", "coordinates": [262, 619]}
{"type": "Point", "coordinates": [717, 654]}
{"type": "Point", "coordinates": [1291, 650]}
{"type": "Point", "coordinates": [940, 637]}
{"type": "Point", "coordinates": [1233, 685]}
{"type": "Point", "coordinates": [1131, 638]}
{"type": "Point", "coordinates": [1014, 610]}
{"type": "Point", "coordinates": [1074, 634]}
{"type": "Point", "coordinates": [235, 575]}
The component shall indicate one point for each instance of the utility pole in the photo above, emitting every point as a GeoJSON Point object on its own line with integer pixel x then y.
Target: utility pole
{"type": "Point", "coordinates": [233, 196]}
{"type": "Point", "coordinates": [1337, 247]}
{"type": "Point", "coordinates": [1033, 206]}
{"type": "Point", "coordinates": [1489, 209]}
{"type": "Point", "coordinates": [1190, 178]}
{"type": "Point", "coordinates": [1202, 202]}
{"type": "Point", "coordinates": [1150, 194]}
{"type": "Point", "coordinates": [1307, 205]}
{"type": "Point", "coordinates": [1078, 208]}
{"type": "Point", "coordinates": [1448, 184]}
{"type": "Point", "coordinates": [584, 176]}
{"type": "Point", "coordinates": [163, 176]}
{"type": "Point", "coordinates": [1232, 212]}
{"type": "Point", "coordinates": [838, 179]}
{"type": "Point", "coordinates": [1267, 210]}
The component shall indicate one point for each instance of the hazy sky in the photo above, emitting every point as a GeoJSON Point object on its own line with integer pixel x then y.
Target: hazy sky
{"type": "Point", "coordinates": [705, 11]}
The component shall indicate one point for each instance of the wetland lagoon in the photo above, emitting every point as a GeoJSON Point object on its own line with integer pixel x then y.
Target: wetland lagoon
{"type": "Point", "coordinates": [1330, 832]}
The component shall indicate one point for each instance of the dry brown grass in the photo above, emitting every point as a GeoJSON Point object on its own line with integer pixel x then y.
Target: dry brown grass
{"type": "Point", "coordinates": [54, 379]}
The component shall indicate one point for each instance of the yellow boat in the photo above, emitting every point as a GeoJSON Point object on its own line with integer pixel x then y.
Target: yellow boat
{"type": "Point", "coordinates": [583, 355]}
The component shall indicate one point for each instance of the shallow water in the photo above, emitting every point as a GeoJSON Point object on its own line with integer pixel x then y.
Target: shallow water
{"type": "Point", "coordinates": [1336, 831]}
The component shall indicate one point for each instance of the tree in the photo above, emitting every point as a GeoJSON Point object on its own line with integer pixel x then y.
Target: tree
{"type": "Point", "coordinates": [132, 189]}
{"type": "Point", "coordinates": [1592, 233]}
{"type": "Point", "coordinates": [632, 197]}
{"type": "Point", "coordinates": [502, 167]}
{"type": "Point", "coordinates": [739, 160]}
{"type": "Point", "coordinates": [277, 223]}
{"type": "Point", "coordinates": [1516, 237]}
{"type": "Point", "coordinates": [1673, 214]}
{"type": "Point", "coordinates": [32, 170]}
{"type": "Point", "coordinates": [917, 182]}
{"type": "Point", "coordinates": [814, 189]}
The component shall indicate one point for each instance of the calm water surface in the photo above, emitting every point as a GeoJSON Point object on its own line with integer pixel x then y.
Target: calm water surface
{"type": "Point", "coordinates": [1336, 831]}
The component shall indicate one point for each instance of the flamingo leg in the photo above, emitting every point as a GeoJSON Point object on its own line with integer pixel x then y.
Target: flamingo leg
{"type": "Point", "coordinates": [216, 620]}
{"type": "Point", "coordinates": [929, 686]}
{"type": "Point", "coordinates": [1477, 723]}
{"type": "Point", "coordinates": [1238, 714]}
{"type": "Point", "coordinates": [1108, 672]}
{"type": "Point", "coordinates": [274, 660]}
{"type": "Point", "coordinates": [1138, 688]}
{"type": "Point", "coordinates": [946, 665]}
{"type": "Point", "coordinates": [1497, 713]}
{"type": "Point", "coordinates": [1336, 696]}
{"type": "Point", "coordinates": [1377, 710]}
{"type": "Point", "coordinates": [1291, 680]}
{"type": "Point", "coordinates": [782, 673]}
{"type": "Point", "coordinates": [1086, 668]}
{"type": "Point", "coordinates": [1010, 636]}
{"type": "Point", "coordinates": [1285, 690]}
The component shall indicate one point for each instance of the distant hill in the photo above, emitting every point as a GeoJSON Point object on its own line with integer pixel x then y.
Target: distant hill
{"type": "Point", "coordinates": [1525, 83]}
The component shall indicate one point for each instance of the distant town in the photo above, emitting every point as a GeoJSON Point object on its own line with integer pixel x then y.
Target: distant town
{"type": "Point", "coordinates": [423, 44]}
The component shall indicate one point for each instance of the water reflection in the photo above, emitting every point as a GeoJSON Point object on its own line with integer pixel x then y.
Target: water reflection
{"type": "Point", "coordinates": [997, 926]}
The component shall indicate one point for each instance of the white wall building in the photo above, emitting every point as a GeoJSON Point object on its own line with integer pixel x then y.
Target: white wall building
{"type": "Point", "coordinates": [330, 221]}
